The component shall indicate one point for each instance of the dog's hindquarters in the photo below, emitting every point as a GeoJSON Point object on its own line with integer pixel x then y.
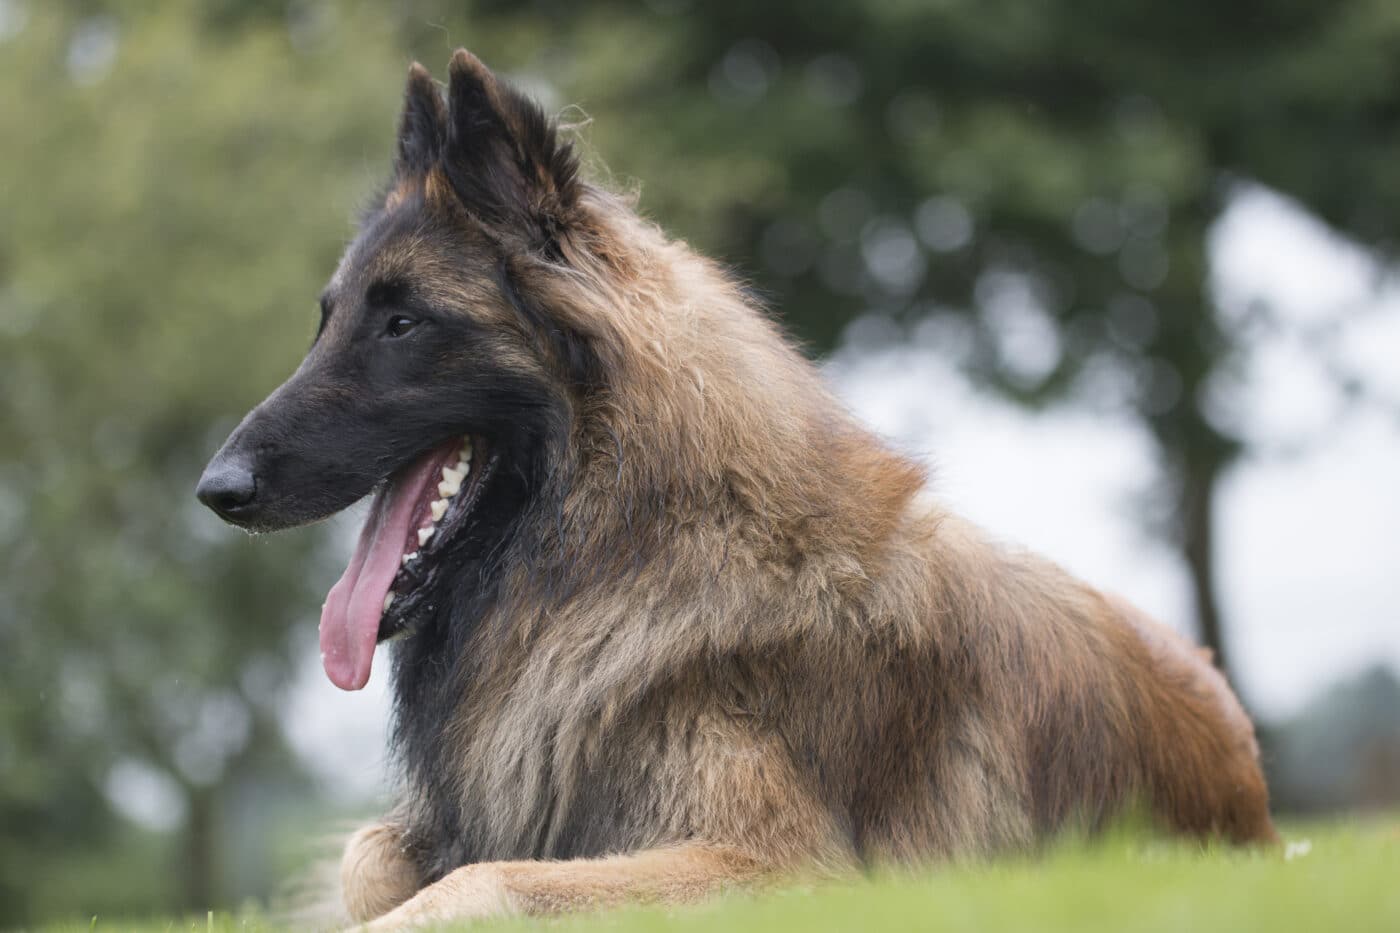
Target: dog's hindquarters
{"type": "Point", "coordinates": [1106, 708]}
{"type": "Point", "coordinates": [1196, 742]}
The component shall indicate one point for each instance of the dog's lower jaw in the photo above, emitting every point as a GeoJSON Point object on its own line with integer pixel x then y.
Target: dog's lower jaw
{"type": "Point", "coordinates": [411, 592]}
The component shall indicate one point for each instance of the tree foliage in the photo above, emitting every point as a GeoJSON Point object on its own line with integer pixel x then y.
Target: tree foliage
{"type": "Point", "coordinates": [172, 194]}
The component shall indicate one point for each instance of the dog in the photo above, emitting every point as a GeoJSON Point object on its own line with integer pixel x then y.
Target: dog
{"type": "Point", "coordinates": [665, 619]}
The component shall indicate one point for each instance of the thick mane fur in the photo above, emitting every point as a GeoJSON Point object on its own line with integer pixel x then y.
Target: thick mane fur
{"type": "Point", "coordinates": [717, 529]}
{"type": "Point", "coordinates": [684, 623]}
{"type": "Point", "coordinates": [726, 614]}
{"type": "Point", "coordinates": [710, 465]}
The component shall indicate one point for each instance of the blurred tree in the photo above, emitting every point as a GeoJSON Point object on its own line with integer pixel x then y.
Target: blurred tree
{"type": "Point", "coordinates": [1033, 181]}
{"type": "Point", "coordinates": [174, 190]}
{"type": "Point", "coordinates": [1342, 750]}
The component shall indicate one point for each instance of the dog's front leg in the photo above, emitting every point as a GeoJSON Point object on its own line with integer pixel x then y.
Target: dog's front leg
{"type": "Point", "coordinates": [376, 873]}
{"type": "Point", "coordinates": [671, 875]}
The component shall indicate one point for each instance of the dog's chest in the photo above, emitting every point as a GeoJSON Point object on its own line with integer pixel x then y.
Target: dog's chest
{"type": "Point", "coordinates": [545, 759]}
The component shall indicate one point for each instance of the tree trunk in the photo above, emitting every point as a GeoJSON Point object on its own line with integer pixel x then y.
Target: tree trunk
{"type": "Point", "coordinates": [198, 870]}
{"type": "Point", "coordinates": [1198, 545]}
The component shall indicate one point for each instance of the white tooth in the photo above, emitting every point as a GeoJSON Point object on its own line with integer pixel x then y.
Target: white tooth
{"type": "Point", "coordinates": [424, 534]}
{"type": "Point", "coordinates": [464, 467]}
{"type": "Point", "coordinates": [450, 487]}
{"type": "Point", "coordinates": [388, 601]}
{"type": "Point", "coordinates": [466, 452]}
{"type": "Point", "coordinates": [450, 474]}
{"type": "Point", "coordinates": [408, 557]}
{"type": "Point", "coordinates": [438, 508]}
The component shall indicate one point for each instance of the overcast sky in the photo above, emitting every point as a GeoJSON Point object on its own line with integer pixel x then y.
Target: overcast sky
{"type": "Point", "coordinates": [1309, 544]}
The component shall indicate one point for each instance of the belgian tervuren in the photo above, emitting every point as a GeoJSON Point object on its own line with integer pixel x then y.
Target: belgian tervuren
{"type": "Point", "coordinates": [666, 619]}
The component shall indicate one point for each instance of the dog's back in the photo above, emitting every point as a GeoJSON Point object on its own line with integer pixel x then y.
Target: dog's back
{"type": "Point", "coordinates": [1028, 700]}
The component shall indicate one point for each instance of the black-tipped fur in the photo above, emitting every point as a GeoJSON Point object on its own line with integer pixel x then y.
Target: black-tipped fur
{"type": "Point", "coordinates": [423, 125]}
{"type": "Point", "coordinates": [504, 157]}
{"type": "Point", "coordinates": [698, 627]}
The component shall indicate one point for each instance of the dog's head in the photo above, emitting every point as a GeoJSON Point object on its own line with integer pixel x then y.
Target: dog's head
{"type": "Point", "coordinates": [437, 375]}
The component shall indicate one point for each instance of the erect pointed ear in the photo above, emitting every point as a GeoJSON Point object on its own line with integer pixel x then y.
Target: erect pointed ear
{"type": "Point", "coordinates": [504, 157]}
{"type": "Point", "coordinates": [423, 125]}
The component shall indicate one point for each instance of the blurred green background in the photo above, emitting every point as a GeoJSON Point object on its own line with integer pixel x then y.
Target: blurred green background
{"type": "Point", "coordinates": [178, 180]}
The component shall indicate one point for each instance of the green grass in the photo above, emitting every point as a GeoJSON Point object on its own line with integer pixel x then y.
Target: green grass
{"type": "Point", "coordinates": [1348, 880]}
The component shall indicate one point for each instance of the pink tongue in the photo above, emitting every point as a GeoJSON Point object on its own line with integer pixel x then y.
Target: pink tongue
{"type": "Point", "coordinates": [350, 617]}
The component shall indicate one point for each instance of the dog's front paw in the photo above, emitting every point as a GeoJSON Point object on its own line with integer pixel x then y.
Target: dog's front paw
{"type": "Point", "coordinates": [474, 892]}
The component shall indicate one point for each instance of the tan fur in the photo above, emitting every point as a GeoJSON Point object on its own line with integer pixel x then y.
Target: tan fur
{"type": "Point", "coordinates": [376, 875]}
{"type": "Point", "coordinates": [788, 657]}
{"type": "Point", "coordinates": [679, 874]}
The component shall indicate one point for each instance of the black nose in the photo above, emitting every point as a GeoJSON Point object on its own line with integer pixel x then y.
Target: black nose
{"type": "Point", "coordinates": [228, 487]}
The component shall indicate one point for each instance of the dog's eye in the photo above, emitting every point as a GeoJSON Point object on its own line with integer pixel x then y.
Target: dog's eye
{"type": "Point", "coordinates": [399, 325]}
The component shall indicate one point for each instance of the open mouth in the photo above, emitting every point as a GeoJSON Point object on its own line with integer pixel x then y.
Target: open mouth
{"type": "Point", "coordinates": [414, 517]}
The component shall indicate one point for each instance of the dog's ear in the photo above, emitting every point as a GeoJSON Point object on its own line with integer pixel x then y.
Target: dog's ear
{"type": "Point", "coordinates": [504, 157]}
{"type": "Point", "coordinates": [423, 125]}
